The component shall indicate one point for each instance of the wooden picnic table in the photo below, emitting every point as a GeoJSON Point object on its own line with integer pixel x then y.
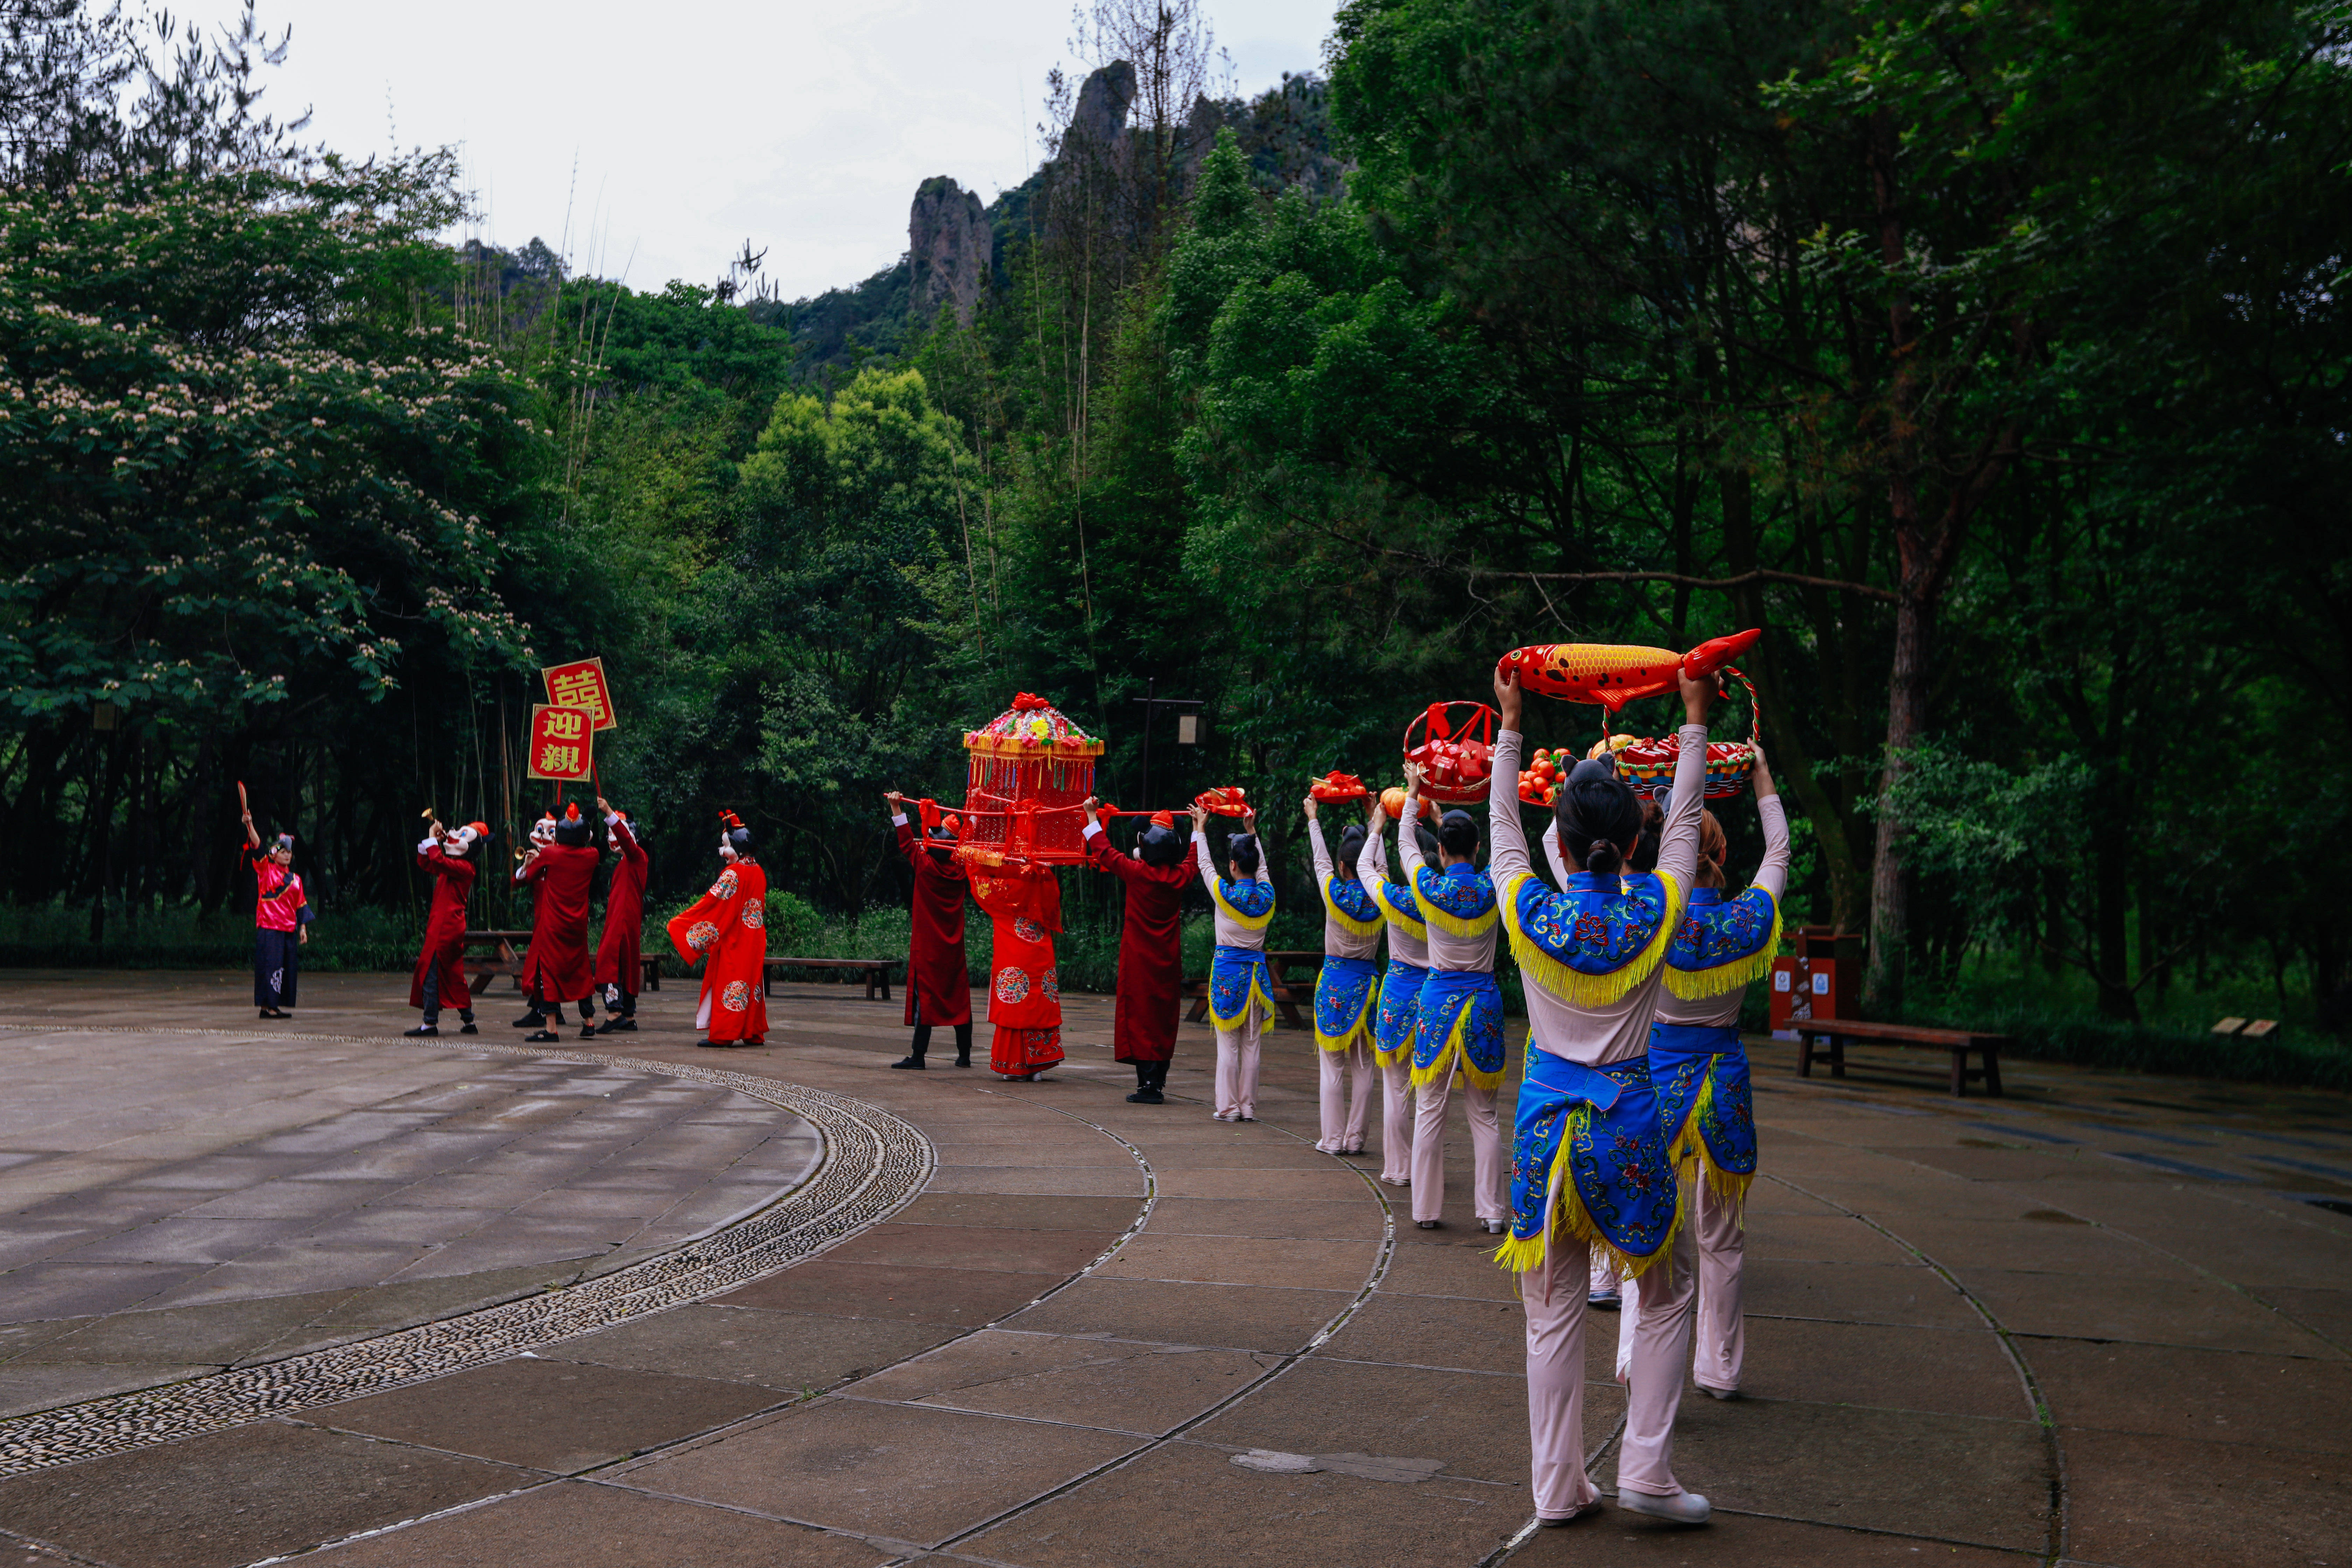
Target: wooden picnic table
{"type": "Point", "coordinates": [1960, 1042]}
{"type": "Point", "coordinates": [877, 970]}
{"type": "Point", "coordinates": [479, 972]}
{"type": "Point", "coordinates": [1285, 994]}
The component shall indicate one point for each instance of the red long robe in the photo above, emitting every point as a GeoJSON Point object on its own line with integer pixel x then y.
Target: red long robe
{"type": "Point", "coordinates": [445, 930]}
{"type": "Point", "coordinates": [1024, 994]}
{"type": "Point", "coordinates": [1151, 961]}
{"type": "Point", "coordinates": [728, 926]}
{"type": "Point", "coordinates": [939, 983]}
{"type": "Point", "coordinates": [556, 967]}
{"type": "Point", "coordinates": [619, 952]}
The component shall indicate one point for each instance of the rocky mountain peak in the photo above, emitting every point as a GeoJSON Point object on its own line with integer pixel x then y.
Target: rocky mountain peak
{"type": "Point", "coordinates": [950, 247]}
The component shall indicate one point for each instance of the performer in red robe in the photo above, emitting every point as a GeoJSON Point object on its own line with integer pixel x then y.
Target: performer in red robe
{"type": "Point", "coordinates": [453, 856]}
{"type": "Point", "coordinates": [556, 969]}
{"type": "Point", "coordinates": [1024, 902]}
{"type": "Point", "coordinates": [620, 966]}
{"type": "Point", "coordinates": [939, 983]}
{"type": "Point", "coordinates": [1150, 964]}
{"type": "Point", "coordinates": [728, 926]}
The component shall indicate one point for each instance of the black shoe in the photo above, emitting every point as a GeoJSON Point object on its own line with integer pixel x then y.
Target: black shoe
{"type": "Point", "coordinates": [468, 1029]}
{"type": "Point", "coordinates": [713, 1045]}
{"type": "Point", "coordinates": [422, 1032]}
{"type": "Point", "coordinates": [275, 1013]}
{"type": "Point", "coordinates": [963, 1061]}
{"type": "Point", "coordinates": [912, 1063]}
{"type": "Point", "coordinates": [617, 1026]}
{"type": "Point", "coordinates": [587, 1031]}
{"type": "Point", "coordinates": [532, 1021]}
{"type": "Point", "coordinates": [542, 1035]}
{"type": "Point", "coordinates": [1147, 1097]}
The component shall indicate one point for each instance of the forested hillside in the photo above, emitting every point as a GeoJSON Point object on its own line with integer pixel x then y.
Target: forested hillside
{"type": "Point", "coordinates": [1993, 360]}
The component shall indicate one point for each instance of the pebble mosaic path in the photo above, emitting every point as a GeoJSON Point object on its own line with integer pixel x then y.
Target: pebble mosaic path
{"type": "Point", "coordinates": [2102, 1321]}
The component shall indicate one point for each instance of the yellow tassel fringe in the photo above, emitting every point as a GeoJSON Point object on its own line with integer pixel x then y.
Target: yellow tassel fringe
{"type": "Point", "coordinates": [1452, 924]}
{"type": "Point", "coordinates": [1247, 923]}
{"type": "Point", "coordinates": [1347, 922]}
{"type": "Point", "coordinates": [1442, 1067]}
{"type": "Point", "coordinates": [1362, 1031]}
{"type": "Point", "coordinates": [1260, 1001]}
{"type": "Point", "coordinates": [1697, 984]}
{"type": "Point", "coordinates": [1589, 990]}
{"type": "Point", "coordinates": [1686, 1148]}
{"type": "Point", "coordinates": [1403, 919]}
{"type": "Point", "coordinates": [1569, 1217]}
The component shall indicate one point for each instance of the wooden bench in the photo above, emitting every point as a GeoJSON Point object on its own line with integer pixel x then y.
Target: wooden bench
{"type": "Point", "coordinates": [1960, 1042]}
{"type": "Point", "coordinates": [1286, 996]}
{"type": "Point", "coordinates": [504, 959]}
{"type": "Point", "coordinates": [652, 961]}
{"type": "Point", "coordinates": [876, 970]}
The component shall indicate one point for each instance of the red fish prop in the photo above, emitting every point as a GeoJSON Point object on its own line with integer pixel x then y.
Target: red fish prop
{"type": "Point", "coordinates": [1613, 674]}
{"type": "Point", "coordinates": [1337, 785]}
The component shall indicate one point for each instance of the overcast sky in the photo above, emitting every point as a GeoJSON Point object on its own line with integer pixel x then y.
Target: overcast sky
{"type": "Point", "coordinates": [800, 125]}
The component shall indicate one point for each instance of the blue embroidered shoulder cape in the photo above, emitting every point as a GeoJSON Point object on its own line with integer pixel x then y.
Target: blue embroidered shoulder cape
{"type": "Point", "coordinates": [1349, 902]}
{"type": "Point", "coordinates": [1596, 941]}
{"type": "Point", "coordinates": [1722, 943]}
{"type": "Point", "coordinates": [1250, 903]}
{"type": "Point", "coordinates": [1458, 900]}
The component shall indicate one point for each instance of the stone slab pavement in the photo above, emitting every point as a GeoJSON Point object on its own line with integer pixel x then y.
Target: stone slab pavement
{"type": "Point", "coordinates": [2105, 1320]}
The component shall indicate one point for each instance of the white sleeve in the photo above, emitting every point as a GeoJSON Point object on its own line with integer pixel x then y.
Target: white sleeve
{"type": "Point", "coordinates": [1409, 841]}
{"type": "Point", "coordinates": [1091, 830]}
{"type": "Point", "coordinates": [1322, 855]}
{"type": "Point", "coordinates": [1372, 864]}
{"type": "Point", "coordinates": [1678, 835]}
{"type": "Point", "coordinates": [1772, 876]}
{"type": "Point", "coordinates": [1201, 859]}
{"type": "Point", "coordinates": [898, 820]}
{"type": "Point", "coordinates": [1559, 862]}
{"type": "Point", "coordinates": [1509, 834]}
{"type": "Point", "coordinates": [424, 846]}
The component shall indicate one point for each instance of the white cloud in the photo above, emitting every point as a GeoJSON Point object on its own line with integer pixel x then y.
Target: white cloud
{"type": "Point", "coordinates": [801, 126]}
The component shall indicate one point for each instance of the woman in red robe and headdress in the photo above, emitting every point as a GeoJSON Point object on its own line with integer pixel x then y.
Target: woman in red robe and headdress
{"type": "Point", "coordinates": [939, 983]}
{"type": "Point", "coordinates": [1023, 901]}
{"type": "Point", "coordinates": [453, 856]}
{"type": "Point", "coordinates": [1150, 954]}
{"type": "Point", "coordinates": [555, 968]}
{"type": "Point", "coordinates": [728, 926]}
{"type": "Point", "coordinates": [620, 952]}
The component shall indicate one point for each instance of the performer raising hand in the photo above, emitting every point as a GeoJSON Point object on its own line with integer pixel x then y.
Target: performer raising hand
{"type": "Point", "coordinates": [1241, 989]}
{"type": "Point", "coordinates": [728, 926]}
{"type": "Point", "coordinates": [1150, 956]}
{"type": "Point", "coordinates": [453, 857]}
{"type": "Point", "coordinates": [1344, 988]}
{"type": "Point", "coordinates": [939, 981]}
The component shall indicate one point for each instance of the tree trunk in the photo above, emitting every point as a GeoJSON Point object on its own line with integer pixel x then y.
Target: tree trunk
{"type": "Point", "coordinates": [1907, 722]}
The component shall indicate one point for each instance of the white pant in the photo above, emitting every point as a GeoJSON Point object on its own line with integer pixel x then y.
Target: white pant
{"type": "Point", "coordinates": [1553, 1295]}
{"type": "Point", "coordinates": [1343, 1124]}
{"type": "Point", "coordinates": [1658, 1306]}
{"type": "Point", "coordinates": [1237, 1069]}
{"type": "Point", "coordinates": [1719, 1338]}
{"type": "Point", "coordinates": [1488, 1198]}
{"type": "Point", "coordinates": [1396, 1123]}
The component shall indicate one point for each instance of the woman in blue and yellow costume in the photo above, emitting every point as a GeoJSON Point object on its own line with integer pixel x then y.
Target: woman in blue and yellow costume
{"type": "Point", "coordinates": [1241, 990]}
{"type": "Point", "coordinates": [1400, 1006]}
{"type": "Point", "coordinates": [1459, 1028]}
{"type": "Point", "coordinates": [1700, 1073]}
{"type": "Point", "coordinates": [1344, 989]}
{"type": "Point", "coordinates": [1589, 1163]}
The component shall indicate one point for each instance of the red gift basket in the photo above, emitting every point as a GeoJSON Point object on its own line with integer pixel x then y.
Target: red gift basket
{"type": "Point", "coordinates": [1337, 785]}
{"type": "Point", "coordinates": [1456, 750]}
{"type": "Point", "coordinates": [1225, 800]}
{"type": "Point", "coordinates": [1031, 768]}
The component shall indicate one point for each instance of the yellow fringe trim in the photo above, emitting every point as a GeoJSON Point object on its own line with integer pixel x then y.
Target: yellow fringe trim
{"type": "Point", "coordinates": [1697, 984]}
{"type": "Point", "coordinates": [1453, 925]}
{"type": "Point", "coordinates": [1354, 927]}
{"type": "Point", "coordinates": [1247, 923]}
{"type": "Point", "coordinates": [1589, 990]}
{"type": "Point", "coordinates": [1442, 1068]}
{"type": "Point", "coordinates": [1568, 1216]}
{"type": "Point", "coordinates": [1687, 1149]}
{"type": "Point", "coordinates": [1417, 929]}
{"type": "Point", "coordinates": [1259, 1000]}
{"type": "Point", "coordinates": [1364, 1029]}
{"type": "Point", "coordinates": [1400, 1056]}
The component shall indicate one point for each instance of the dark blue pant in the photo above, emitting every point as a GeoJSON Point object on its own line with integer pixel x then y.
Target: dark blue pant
{"type": "Point", "coordinates": [276, 958]}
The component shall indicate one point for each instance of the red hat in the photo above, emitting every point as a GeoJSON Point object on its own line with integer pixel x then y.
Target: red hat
{"type": "Point", "coordinates": [1163, 819]}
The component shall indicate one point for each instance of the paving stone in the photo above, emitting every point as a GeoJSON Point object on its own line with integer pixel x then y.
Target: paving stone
{"type": "Point", "coordinates": [1059, 1182]}
{"type": "Point", "coordinates": [1951, 1371]}
{"type": "Point", "coordinates": [959, 1297]}
{"type": "Point", "coordinates": [1238, 1316]}
{"type": "Point", "coordinates": [1350, 1219]}
{"type": "Point", "coordinates": [791, 1351]}
{"type": "Point", "coordinates": [217, 1335]}
{"type": "Point", "coordinates": [240, 1496]}
{"type": "Point", "coordinates": [1233, 1516]}
{"type": "Point", "coordinates": [1243, 1260]}
{"type": "Point", "coordinates": [1446, 1263]}
{"type": "Point", "coordinates": [1327, 1183]}
{"type": "Point", "coordinates": [556, 1415]}
{"type": "Point", "coordinates": [1125, 1384]}
{"type": "Point", "coordinates": [1745, 1539]}
{"type": "Point", "coordinates": [1004, 1212]}
{"type": "Point", "coordinates": [2216, 1498]}
{"type": "Point", "coordinates": [587, 1525]}
{"type": "Point", "coordinates": [2191, 1312]}
{"type": "Point", "coordinates": [1854, 1292]}
{"type": "Point", "coordinates": [1477, 1423]}
{"type": "Point", "coordinates": [1063, 1252]}
{"type": "Point", "coordinates": [902, 1472]}
{"type": "Point", "coordinates": [2209, 1395]}
{"type": "Point", "coordinates": [1444, 1331]}
{"type": "Point", "coordinates": [30, 1385]}
{"type": "Point", "coordinates": [1097, 1153]}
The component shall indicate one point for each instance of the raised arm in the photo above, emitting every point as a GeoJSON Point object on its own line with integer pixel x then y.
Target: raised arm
{"type": "Point", "coordinates": [1201, 849]}
{"type": "Point", "coordinates": [1408, 841]}
{"type": "Point", "coordinates": [1372, 864]}
{"type": "Point", "coordinates": [1678, 835]}
{"type": "Point", "coordinates": [1772, 876]}
{"type": "Point", "coordinates": [1509, 834]}
{"type": "Point", "coordinates": [1314, 843]}
{"type": "Point", "coordinates": [1558, 861]}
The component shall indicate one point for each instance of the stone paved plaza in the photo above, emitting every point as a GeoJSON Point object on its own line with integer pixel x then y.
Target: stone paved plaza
{"type": "Point", "coordinates": [305, 1288]}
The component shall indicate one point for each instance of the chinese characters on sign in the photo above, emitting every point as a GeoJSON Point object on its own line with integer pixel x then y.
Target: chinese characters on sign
{"type": "Point", "coordinates": [580, 684]}
{"type": "Point", "coordinates": [563, 742]}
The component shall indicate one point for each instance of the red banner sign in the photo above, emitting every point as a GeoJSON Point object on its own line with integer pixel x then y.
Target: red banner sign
{"type": "Point", "coordinates": [580, 684]}
{"type": "Point", "coordinates": [563, 743]}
